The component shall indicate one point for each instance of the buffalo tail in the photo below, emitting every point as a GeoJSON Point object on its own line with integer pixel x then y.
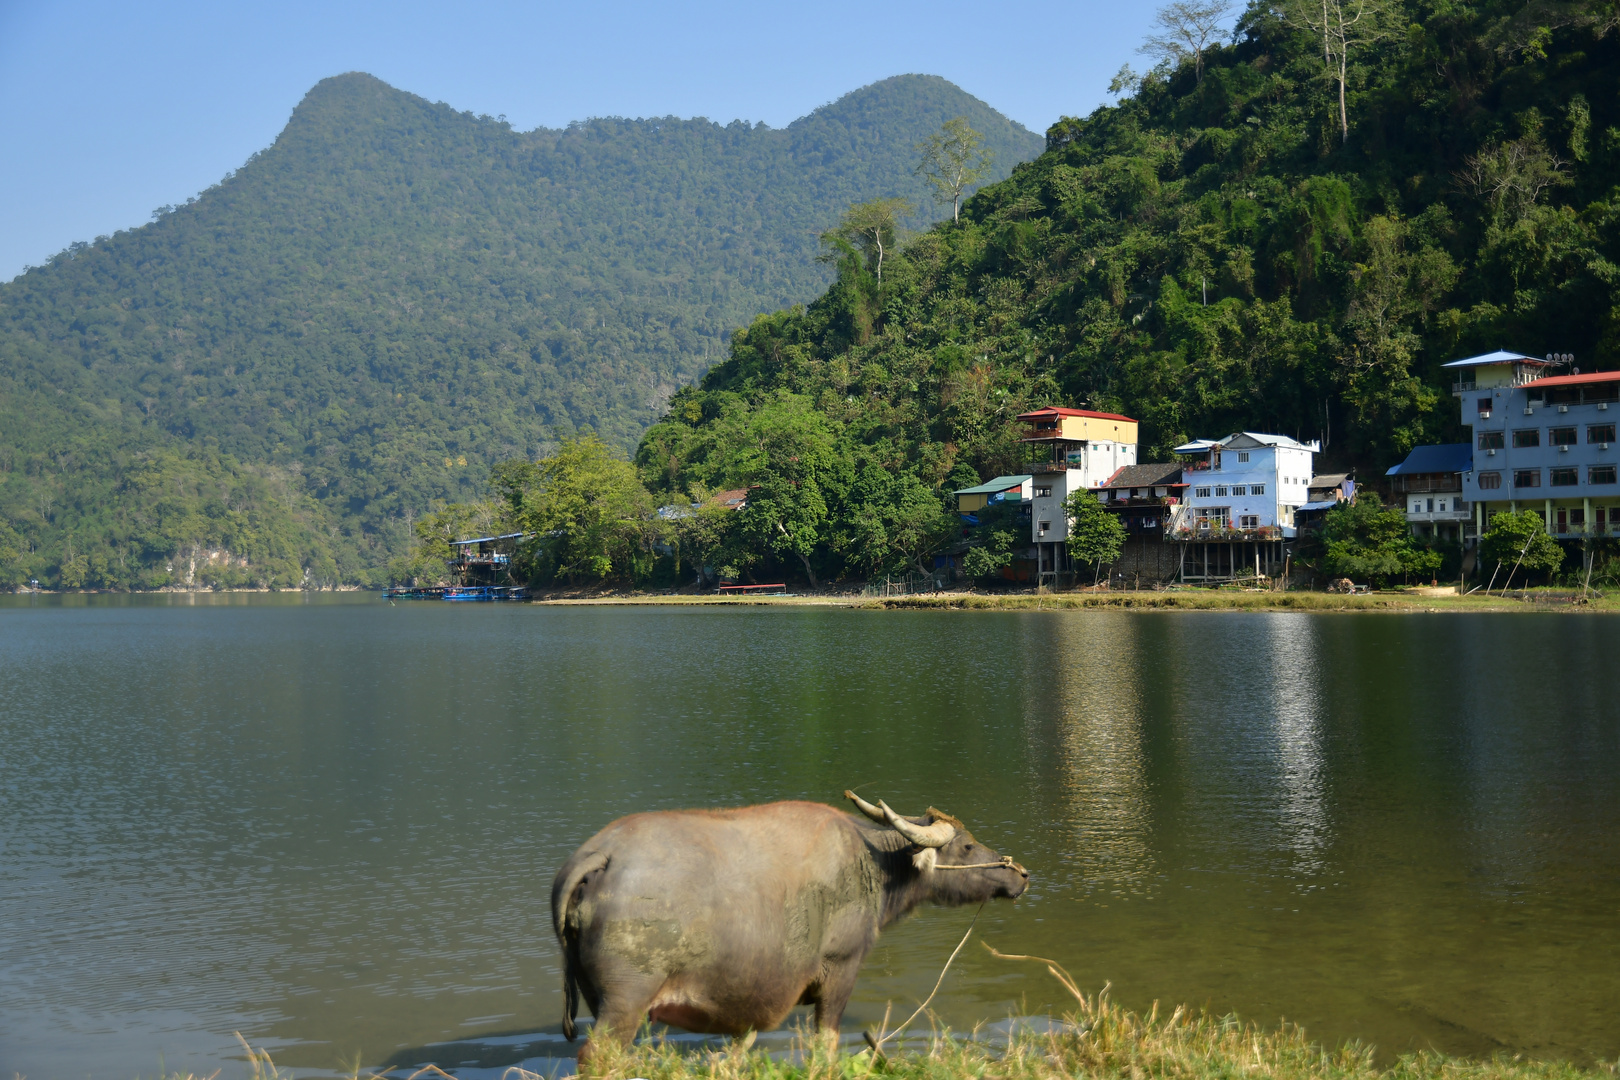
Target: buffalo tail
{"type": "Point", "coordinates": [564, 892]}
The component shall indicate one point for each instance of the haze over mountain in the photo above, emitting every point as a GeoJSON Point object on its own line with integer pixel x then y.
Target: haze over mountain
{"type": "Point", "coordinates": [395, 295]}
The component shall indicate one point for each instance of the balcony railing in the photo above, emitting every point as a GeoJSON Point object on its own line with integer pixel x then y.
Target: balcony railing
{"type": "Point", "coordinates": [1424, 483]}
{"type": "Point", "coordinates": [1187, 524]}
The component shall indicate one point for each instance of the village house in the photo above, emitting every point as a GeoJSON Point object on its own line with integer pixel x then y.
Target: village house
{"type": "Point", "coordinates": [1541, 442]}
{"type": "Point", "coordinates": [1325, 492]}
{"type": "Point", "coordinates": [1428, 486]}
{"type": "Point", "coordinates": [1069, 450]}
{"type": "Point", "coordinates": [1241, 495]}
{"type": "Point", "coordinates": [1144, 497]}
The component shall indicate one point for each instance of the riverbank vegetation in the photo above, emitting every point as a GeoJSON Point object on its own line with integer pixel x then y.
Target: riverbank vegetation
{"type": "Point", "coordinates": [1099, 1040]}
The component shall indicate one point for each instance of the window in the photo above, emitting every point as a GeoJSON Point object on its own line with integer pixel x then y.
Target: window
{"type": "Point", "coordinates": [1220, 493]}
{"type": "Point", "coordinates": [1491, 440]}
{"type": "Point", "coordinates": [1489, 481]}
{"type": "Point", "coordinates": [1527, 437]}
{"type": "Point", "coordinates": [1200, 493]}
{"type": "Point", "coordinates": [1430, 510]}
{"type": "Point", "coordinates": [1485, 408]}
{"type": "Point", "coordinates": [1249, 521]}
{"type": "Point", "coordinates": [1257, 489]}
{"type": "Point", "coordinates": [1563, 477]}
{"type": "Point", "coordinates": [1577, 518]}
{"type": "Point", "coordinates": [1442, 506]}
{"type": "Point", "coordinates": [1045, 526]}
{"type": "Point", "coordinates": [1600, 433]}
{"type": "Point", "coordinates": [1214, 517]}
{"type": "Point", "coordinates": [1601, 474]}
{"type": "Point", "coordinates": [1239, 490]}
{"type": "Point", "coordinates": [1526, 478]}
{"type": "Point", "coordinates": [1043, 492]}
{"type": "Point", "coordinates": [1561, 436]}
{"type": "Point", "coordinates": [1217, 460]}
{"type": "Point", "coordinates": [1243, 457]}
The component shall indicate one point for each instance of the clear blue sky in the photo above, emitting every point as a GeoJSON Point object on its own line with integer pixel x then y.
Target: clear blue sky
{"type": "Point", "coordinates": [109, 110]}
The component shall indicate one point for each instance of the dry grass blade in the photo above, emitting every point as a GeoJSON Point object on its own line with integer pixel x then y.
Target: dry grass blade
{"type": "Point", "coordinates": [1058, 971]}
{"type": "Point", "coordinates": [877, 1043]}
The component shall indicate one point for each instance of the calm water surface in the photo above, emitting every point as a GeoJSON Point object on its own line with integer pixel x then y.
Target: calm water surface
{"type": "Point", "coordinates": [333, 825]}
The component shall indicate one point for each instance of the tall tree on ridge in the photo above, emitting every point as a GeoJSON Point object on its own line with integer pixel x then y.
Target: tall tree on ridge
{"type": "Point", "coordinates": [1343, 25]}
{"type": "Point", "coordinates": [873, 228]}
{"type": "Point", "coordinates": [1186, 29]}
{"type": "Point", "coordinates": [953, 161]}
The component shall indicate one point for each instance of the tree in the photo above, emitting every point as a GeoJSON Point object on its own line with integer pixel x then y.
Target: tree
{"type": "Point", "coordinates": [1365, 539]}
{"type": "Point", "coordinates": [893, 520]}
{"type": "Point", "coordinates": [1095, 535]}
{"type": "Point", "coordinates": [587, 514]}
{"type": "Point", "coordinates": [873, 228]}
{"type": "Point", "coordinates": [1186, 29]}
{"type": "Point", "coordinates": [1344, 26]}
{"type": "Point", "coordinates": [953, 161]}
{"type": "Point", "coordinates": [1519, 540]}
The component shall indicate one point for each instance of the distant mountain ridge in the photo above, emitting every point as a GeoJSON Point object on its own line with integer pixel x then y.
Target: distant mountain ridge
{"type": "Point", "coordinates": [395, 295]}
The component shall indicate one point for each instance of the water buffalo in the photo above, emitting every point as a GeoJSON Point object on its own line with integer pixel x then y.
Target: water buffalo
{"type": "Point", "coordinates": [721, 921]}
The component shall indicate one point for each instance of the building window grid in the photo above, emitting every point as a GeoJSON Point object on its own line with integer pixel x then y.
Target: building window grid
{"type": "Point", "coordinates": [1600, 474]}
{"type": "Point", "coordinates": [1563, 477]}
{"type": "Point", "coordinates": [1600, 433]}
{"type": "Point", "coordinates": [1526, 478]}
{"type": "Point", "coordinates": [1257, 489]}
{"type": "Point", "coordinates": [1492, 440]}
{"type": "Point", "coordinates": [1561, 436]}
{"type": "Point", "coordinates": [1526, 437]}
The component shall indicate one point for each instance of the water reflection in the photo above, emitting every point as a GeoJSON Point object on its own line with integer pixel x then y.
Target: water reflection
{"type": "Point", "coordinates": [1289, 645]}
{"type": "Point", "coordinates": [1087, 692]}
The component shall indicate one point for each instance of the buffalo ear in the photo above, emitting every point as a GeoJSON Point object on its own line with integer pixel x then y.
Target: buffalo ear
{"type": "Point", "coordinates": [924, 859]}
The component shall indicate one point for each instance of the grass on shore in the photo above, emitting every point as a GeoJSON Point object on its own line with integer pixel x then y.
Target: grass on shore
{"type": "Point", "coordinates": [1097, 1040]}
{"type": "Point", "coordinates": [1224, 600]}
{"type": "Point", "coordinates": [1182, 599]}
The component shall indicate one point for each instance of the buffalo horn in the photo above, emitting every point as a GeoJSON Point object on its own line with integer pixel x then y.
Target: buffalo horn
{"type": "Point", "coordinates": [928, 836]}
{"type": "Point", "coordinates": [866, 808]}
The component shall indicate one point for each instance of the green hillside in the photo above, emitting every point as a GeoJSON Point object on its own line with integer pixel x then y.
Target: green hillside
{"type": "Point", "coordinates": [1208, 256]}
{"type": "Point", "coordinates": [355, 325]}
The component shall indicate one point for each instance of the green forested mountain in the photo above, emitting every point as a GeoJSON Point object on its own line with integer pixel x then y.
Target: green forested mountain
{"type": "Point", "coordinates": [356, 324]}
{"type": "Point", "coordinates": [1212, 254]}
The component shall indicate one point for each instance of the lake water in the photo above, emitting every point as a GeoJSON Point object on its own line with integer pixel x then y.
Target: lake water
{"type": "Point", "coordinates": [332, 825]}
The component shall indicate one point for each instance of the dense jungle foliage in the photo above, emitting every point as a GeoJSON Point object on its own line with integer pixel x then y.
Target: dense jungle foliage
{"type": "Point", "coordinates": [346, 333]}
{"type": "Point", "coordinates": [1212, 254]}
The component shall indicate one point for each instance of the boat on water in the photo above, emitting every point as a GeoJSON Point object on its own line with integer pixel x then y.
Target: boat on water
{"type": "Point", "coordinates": [463, 593]}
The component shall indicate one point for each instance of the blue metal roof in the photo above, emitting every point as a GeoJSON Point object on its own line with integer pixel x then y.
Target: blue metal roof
{"type": "Point", "coordinates": [1500, 356]}
{"type": "Point", "coordinates": [1448, 457]}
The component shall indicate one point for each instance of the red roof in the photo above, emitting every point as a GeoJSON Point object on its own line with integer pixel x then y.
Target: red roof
{"type": "Point", "coordinates": [1576, 380]}
{"type": "Point", "coordinates": [1053, 410]}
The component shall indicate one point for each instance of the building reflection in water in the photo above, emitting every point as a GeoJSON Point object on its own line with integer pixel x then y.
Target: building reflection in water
{"type": "Point", "coordinates": [1086, 725]}
{"type": "Point", "coordinates": [1289, 644]}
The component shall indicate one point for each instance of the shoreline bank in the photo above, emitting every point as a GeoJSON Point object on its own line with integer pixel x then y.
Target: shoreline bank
{"type": "Point", "coordinates": [1168, 600]}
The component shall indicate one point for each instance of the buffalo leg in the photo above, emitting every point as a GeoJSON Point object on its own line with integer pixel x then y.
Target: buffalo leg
{"type": "Point", "coordinates": [837, 984]}
{"type": "Point", "coordinates": [619, 1010]}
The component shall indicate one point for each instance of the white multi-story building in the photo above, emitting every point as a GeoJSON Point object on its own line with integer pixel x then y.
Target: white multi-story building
{"type": "Point", "coordinates": [1246, 483]}
{"type": "Point", "coordinates": [1241, 490]}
